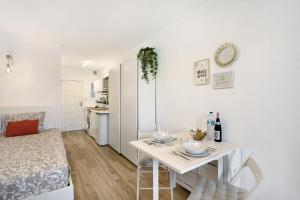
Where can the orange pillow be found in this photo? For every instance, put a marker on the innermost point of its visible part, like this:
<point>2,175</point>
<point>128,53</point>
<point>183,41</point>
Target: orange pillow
<point>25,127</point>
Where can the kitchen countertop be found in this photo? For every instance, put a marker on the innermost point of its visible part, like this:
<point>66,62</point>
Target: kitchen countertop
<point>98,110</point>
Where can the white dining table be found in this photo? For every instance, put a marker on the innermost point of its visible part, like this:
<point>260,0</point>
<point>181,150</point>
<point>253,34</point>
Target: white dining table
<point>165,154</point>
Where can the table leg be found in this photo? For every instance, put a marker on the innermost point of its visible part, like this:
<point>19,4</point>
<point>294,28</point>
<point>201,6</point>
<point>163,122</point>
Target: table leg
<point>155,180</point>
<point>221,170</point>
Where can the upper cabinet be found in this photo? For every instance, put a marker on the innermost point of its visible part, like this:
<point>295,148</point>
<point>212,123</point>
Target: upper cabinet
<point>105,83</point>
<point>101,85</point>
<point>98,85</point>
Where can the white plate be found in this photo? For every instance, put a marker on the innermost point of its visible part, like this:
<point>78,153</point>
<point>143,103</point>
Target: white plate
<point>194,147</point>
<point>162,141</point>
<point>203,154</point>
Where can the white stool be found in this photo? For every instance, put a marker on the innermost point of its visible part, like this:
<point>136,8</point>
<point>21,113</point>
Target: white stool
<point>211,190</point>
<point>145,162</point>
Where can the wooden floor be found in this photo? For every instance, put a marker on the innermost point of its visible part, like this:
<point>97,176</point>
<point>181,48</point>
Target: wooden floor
<point>101,173</point>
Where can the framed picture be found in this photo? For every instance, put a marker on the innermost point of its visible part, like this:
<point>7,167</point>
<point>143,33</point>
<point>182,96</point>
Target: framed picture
<point>201,72</point>
<point>223,80</point>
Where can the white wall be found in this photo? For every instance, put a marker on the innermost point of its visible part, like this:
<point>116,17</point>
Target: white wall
<point>261,111</point>
<point>81,74</point>
<point>35,77</point>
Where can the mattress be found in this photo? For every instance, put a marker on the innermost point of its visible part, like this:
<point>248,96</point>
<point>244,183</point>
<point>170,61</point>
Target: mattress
<point>32,165</point>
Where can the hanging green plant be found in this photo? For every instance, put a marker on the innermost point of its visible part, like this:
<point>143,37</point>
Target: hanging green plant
<point>147,57</point>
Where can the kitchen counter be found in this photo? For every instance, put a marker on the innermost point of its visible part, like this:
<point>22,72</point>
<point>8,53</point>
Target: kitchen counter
<point>96,123</point>
<point>98,110</point>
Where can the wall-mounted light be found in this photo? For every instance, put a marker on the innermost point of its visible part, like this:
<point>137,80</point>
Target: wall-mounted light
<point>9,64</point>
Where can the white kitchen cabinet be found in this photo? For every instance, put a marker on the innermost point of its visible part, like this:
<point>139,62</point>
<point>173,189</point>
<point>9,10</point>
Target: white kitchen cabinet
<point>132,106</point>
<point>93,125</point>
<point>114,107</point>
<point>99,127</point>
<point>98,85</point>
<point>129,114</point>
<point>138,107</point>
<point>101,134</point>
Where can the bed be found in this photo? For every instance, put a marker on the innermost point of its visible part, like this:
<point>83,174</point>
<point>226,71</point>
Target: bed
<point>34,167</point>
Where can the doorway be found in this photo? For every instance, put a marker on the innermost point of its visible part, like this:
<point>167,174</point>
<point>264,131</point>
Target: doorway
<point>72,94</point>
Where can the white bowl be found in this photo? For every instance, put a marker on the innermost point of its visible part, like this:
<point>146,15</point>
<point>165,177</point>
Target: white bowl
<point>194,147</point>
<point>162,136</point>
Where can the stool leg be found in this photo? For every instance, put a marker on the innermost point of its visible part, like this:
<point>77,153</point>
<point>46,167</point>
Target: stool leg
<point>155,179</point>
<point>171,184</point>
<point>138,176</point>
<point>173,177</point>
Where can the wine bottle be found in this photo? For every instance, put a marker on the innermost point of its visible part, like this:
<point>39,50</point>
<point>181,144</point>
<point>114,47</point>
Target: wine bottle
<point>218,129</point>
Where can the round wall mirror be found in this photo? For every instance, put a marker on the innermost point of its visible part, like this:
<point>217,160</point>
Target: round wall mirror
<point>225,55</point>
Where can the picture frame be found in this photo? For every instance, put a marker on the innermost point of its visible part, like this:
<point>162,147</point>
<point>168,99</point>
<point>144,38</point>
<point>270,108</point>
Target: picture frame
<point>223,80</point>
<point>202,72</point>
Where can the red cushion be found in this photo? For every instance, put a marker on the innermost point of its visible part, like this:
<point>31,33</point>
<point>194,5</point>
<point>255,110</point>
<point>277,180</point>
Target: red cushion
<point>25,127</point>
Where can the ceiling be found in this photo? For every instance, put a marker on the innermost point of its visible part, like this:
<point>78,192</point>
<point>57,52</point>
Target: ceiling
<point>91,29</point>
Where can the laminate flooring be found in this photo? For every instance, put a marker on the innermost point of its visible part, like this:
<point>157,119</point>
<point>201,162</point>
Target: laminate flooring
<point>99,172</point>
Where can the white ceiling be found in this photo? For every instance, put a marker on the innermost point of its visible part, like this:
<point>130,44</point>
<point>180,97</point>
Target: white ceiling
<point>95,29</point>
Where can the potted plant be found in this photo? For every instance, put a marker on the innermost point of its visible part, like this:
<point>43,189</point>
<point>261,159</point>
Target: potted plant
<point>147,58</point>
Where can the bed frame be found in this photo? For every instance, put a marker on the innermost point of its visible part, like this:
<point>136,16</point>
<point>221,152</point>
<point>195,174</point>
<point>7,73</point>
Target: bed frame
<point>65,193</point>
<point>52,119</point>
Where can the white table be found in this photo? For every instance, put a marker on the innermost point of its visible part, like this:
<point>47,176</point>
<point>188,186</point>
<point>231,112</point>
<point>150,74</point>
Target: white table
<point>165,155</point>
